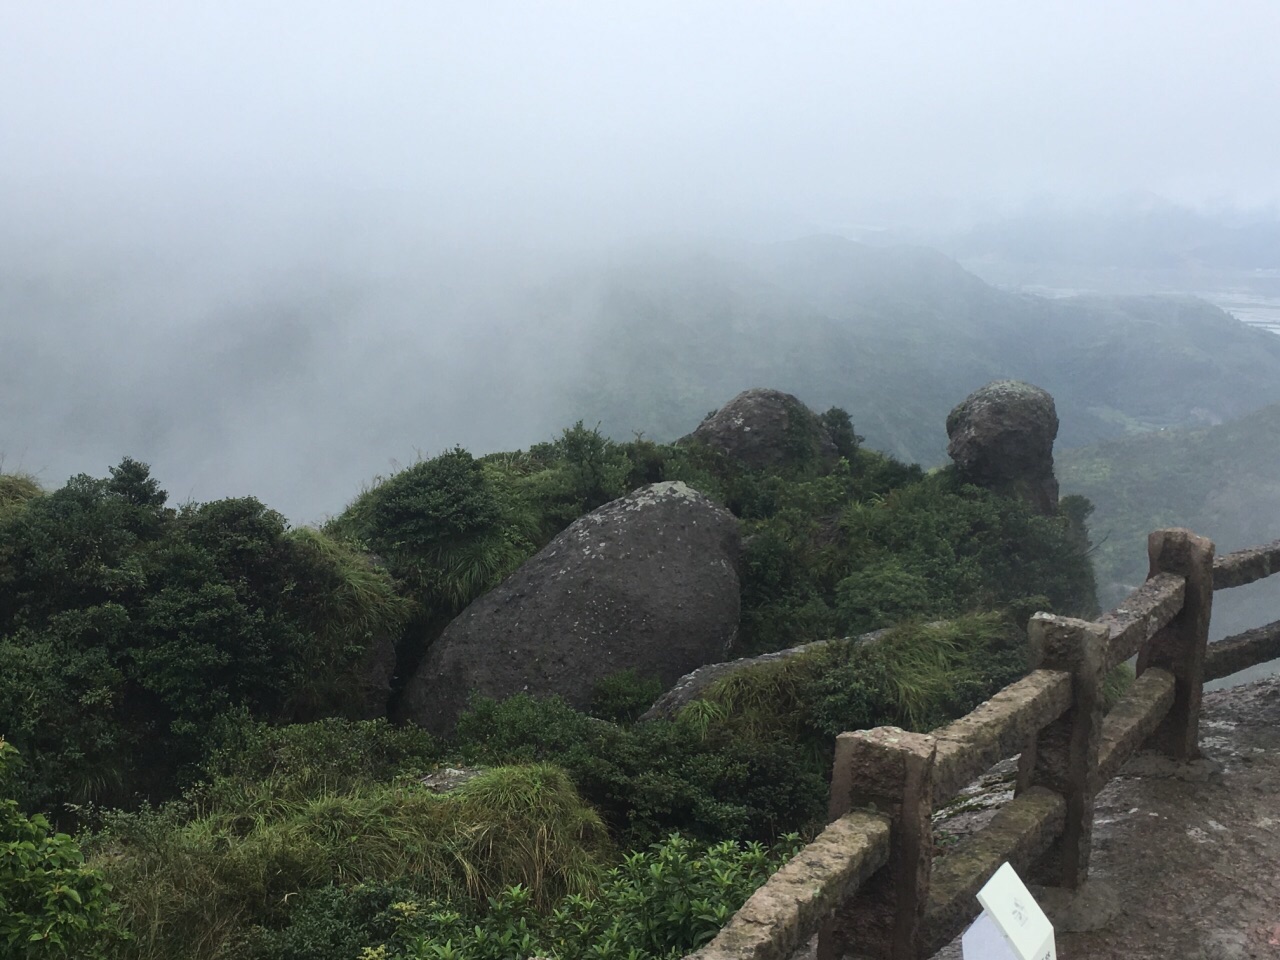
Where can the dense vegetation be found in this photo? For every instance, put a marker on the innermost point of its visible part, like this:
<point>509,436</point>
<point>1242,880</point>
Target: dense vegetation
<point>204,692</point>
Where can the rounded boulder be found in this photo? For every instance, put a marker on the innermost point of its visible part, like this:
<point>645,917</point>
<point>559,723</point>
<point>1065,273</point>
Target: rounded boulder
<point>1001,437</point>
<point>765,429</point>
<point>647,582</point>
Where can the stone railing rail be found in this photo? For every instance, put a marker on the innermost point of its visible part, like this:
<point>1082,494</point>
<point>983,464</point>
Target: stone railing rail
<point>869,884</point>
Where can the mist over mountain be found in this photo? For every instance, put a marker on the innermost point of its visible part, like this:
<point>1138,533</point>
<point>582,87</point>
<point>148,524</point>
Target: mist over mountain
<point>1139,243</point>
<point>897,335</point>
<point>298,382</point>
<point>1223,482</point>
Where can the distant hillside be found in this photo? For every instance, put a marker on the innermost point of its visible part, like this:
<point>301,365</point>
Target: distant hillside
<point>896,336</point>
<point>301,384</point>
<point>1222,482</point>
<point>1143,232</point>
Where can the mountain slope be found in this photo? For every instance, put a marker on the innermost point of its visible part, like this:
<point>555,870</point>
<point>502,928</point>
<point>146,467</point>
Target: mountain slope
<point>1222,482</point>
<point>897,336</point>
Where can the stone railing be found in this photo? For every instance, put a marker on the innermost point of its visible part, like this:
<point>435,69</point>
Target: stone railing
<point>869,884</point>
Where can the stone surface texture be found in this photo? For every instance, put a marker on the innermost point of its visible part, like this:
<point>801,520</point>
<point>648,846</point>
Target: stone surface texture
<point>784,913</point>
<point>1187,851</point>
<point>997,728</point>
<point>1246,566</point>
<point>1141,614</point>
<point>1001,437</point>
<point>648,582</point>
<point>1180,646</point>
<point>1242,651</point>
<point>890,771</point>
<point>767,429</point>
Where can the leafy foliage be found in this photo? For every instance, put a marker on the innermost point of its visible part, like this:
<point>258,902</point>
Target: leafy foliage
<point>917,676</point>
<point>659,903</point>
<point>623,697</point>
<point>655,777</point>
<point>127,629</point>
<point>662,903</point>
<point>51,904</point>
<point>837,562</point>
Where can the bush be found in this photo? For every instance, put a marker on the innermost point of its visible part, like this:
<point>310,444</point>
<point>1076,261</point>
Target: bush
<point>300,760</point>
<point>624,696</point>
<point>330,923</point>
<point>915,676</point>
<point>656,777</point>
<point>128,629</point>
<point>51,904</point>
<point>448,527</point>
<point>661,903</point>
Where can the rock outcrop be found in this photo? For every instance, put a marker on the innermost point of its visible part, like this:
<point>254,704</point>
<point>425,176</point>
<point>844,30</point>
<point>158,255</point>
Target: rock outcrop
<point>1001,437</point>
<point>647,582</point>
<point>765,429</point>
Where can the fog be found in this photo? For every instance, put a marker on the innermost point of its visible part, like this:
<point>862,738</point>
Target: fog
<point>278,249</point>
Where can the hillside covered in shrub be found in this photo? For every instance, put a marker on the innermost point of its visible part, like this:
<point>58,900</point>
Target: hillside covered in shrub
<point>210,696</point>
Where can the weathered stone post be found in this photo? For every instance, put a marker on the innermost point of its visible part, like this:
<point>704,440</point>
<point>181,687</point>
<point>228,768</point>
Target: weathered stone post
<point>1180,646</point>
<point>1064,756</point>
<point>890,771</point>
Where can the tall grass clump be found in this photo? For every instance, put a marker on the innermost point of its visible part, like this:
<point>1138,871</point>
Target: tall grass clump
<point>916,675</point>
<point>189,881</point>
<point>18,488</point>
<point>353,609</point>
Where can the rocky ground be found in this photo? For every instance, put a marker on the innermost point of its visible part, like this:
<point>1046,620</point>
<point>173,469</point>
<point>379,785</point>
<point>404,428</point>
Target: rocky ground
<point>1186,858</point>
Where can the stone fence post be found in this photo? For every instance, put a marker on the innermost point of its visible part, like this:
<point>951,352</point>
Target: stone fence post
<point>1064,755</point>
<point>1180,646</point>
<point>888,771</point>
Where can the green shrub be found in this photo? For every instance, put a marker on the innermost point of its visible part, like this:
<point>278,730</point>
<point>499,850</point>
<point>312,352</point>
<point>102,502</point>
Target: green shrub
<point>17,489</point>
<point>300,760</point>
<point>660,903</point>
<point>449,527</point>
<point>329,923</point>
<point>624,696</point>
<point>350,605</point>
<point>656,777</point>
<point>127,629</point>
<point>51,904</point>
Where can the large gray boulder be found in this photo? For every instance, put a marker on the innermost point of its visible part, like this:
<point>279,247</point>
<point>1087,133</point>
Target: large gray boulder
<point>647,582</point>
<point>766,429</point>
<point>1001,437</point>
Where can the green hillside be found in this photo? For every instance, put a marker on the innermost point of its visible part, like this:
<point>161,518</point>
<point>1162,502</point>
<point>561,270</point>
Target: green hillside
<point>893,335</point>
<point>1222,482</point>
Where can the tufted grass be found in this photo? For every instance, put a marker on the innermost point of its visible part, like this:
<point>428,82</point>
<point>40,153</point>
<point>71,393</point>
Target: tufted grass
<point>916,675</point>
<point>189,883</point>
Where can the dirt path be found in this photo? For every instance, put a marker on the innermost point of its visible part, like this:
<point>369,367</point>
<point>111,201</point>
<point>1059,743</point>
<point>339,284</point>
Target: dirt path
<point>1186,860</point>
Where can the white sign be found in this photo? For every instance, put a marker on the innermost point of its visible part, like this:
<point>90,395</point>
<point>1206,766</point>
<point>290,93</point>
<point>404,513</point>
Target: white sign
<point>1011,926</point>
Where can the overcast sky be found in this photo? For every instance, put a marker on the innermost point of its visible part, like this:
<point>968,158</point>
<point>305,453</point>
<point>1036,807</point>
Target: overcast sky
<point>653,115</point>
<point>213,215</point>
